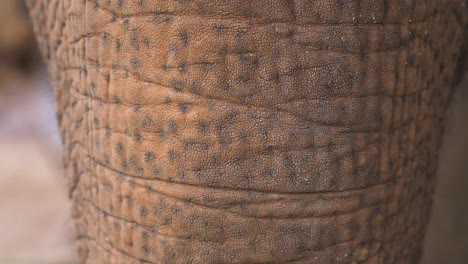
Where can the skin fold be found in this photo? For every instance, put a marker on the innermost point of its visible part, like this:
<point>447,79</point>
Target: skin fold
<point>266,131</point>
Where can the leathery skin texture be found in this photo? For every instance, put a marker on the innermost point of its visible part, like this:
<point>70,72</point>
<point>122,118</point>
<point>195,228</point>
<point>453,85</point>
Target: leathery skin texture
<point>266,131</point>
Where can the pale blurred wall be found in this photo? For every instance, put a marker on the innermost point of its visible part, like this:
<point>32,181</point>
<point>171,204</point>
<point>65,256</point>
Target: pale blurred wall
<point>447,237</point>
<point>35,223</point>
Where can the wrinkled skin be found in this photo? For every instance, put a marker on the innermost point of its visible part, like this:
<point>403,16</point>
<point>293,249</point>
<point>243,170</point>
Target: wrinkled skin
<point>201,131</point>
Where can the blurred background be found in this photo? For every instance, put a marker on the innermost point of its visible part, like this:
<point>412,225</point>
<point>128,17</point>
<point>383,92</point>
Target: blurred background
<point>35,226</point>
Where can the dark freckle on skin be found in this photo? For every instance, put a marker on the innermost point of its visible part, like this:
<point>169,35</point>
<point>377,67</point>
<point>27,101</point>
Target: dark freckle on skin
<point>376,115</point>
<point>121,3</point>
<point>418,128</point>
<point>196,87</point>
<point>114,17</point>
<point>250,15</point>
<point>184,37</point>
<point>171,155</point>
<point>174,49</point>
<point>173,127</point>
<point>143,212</point>
<point>175,210</point>
<point>120,148</point>
<point>202,127</point>
<point>183,1</point>
<point>377,210</point>
<point>192,218</point>
<point>149,189</point>
<point>223,51</point>
<point>183,67</point>
<point>158,19</point>
<point>146,42</point>
<point>145,249</point>
<point>205,66</point>
<point>167,220</point>
<point>276,77</point>
<point>156,210</point>
<point>177,84</point>
<point>118,45</point>
<point>149,157</point>
<point>136,63</point>
<point>167,100</point>
<point>204,8</point>
<point>126,23</point>
<point>157,171</point>
<point>181,175</point>
<point>137,108</point>
<point>244,78</point>
<point>140,170</point>
<point>138,137</point>
<point>124,165</point>
<point>144,234</point>
<point>343,111</point>
<point>352,225</point>
<point>147,122</point>
<point>216,161</point>
<point>219,28</point>
<point>134,40</point>
<point>132,183</point>
<point>105,37</point>
<point>412,60</point>
<point>184,108</point>
<point>106,159</point>
<point>162,134</point>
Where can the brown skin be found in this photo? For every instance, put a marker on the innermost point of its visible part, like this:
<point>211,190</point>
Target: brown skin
<point>201,131</point>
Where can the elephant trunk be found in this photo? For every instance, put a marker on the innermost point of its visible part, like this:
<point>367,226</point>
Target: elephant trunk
<point>250,131</point>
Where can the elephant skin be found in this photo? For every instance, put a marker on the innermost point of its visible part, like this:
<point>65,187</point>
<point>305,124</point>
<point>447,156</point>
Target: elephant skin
<point>266,131</point>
